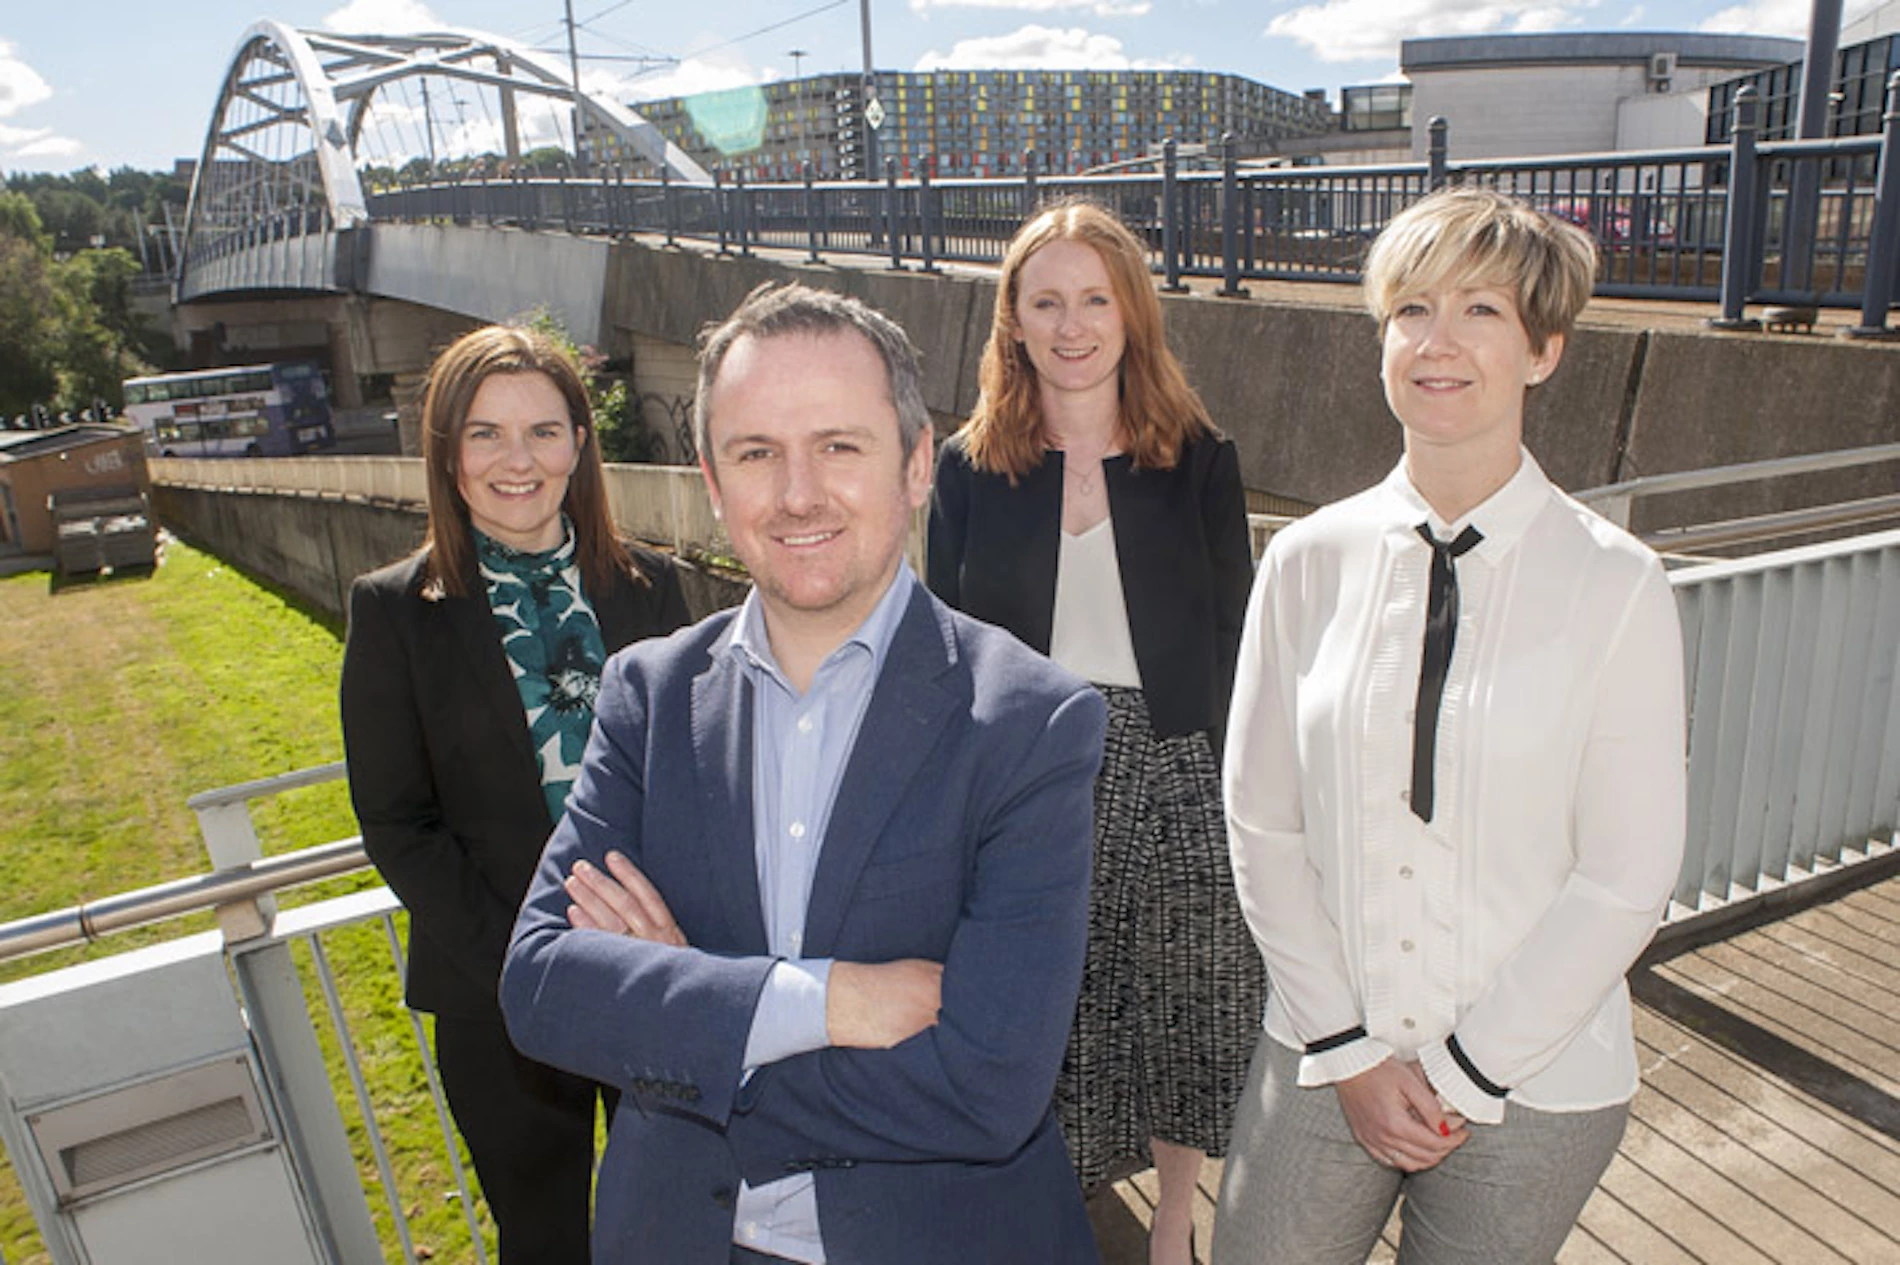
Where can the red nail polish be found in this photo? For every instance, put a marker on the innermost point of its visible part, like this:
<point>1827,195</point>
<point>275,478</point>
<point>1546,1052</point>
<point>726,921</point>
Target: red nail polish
<point>1444,1128</point>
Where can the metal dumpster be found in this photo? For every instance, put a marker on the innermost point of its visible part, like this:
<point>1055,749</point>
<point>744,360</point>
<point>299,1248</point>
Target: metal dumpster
<point>101,527</point>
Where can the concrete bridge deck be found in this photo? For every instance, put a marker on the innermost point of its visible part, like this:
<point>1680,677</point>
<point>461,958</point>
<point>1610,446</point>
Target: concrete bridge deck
<point>1767,1129</point>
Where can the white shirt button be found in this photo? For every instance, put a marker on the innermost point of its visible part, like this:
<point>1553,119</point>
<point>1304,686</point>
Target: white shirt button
<point>798,830</point>
<point>1408,1023</point>
<point>1405,796</point>
<point>1407,945</point>
<point>752,1231</point>
<point>1405,871</point>
<point>804,724</point>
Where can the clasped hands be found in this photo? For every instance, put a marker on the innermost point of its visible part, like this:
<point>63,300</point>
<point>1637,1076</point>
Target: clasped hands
<point>868,1005</point>
<point>1395,1115</point>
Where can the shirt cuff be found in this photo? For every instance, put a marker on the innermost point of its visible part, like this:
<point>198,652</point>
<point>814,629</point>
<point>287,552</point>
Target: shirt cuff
<point>1461,1083</point>
<point>1340,1057</point>
<point>790,1018</point>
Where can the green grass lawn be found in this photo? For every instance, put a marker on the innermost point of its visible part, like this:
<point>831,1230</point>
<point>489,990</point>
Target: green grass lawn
<point>120,699</point>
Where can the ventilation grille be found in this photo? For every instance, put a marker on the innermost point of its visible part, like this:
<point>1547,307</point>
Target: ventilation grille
<point>208,1130</point>
<point>150,1127</point>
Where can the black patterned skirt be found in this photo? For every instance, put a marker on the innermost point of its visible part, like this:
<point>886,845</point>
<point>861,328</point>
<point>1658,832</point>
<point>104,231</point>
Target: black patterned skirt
<point>1173,989</point>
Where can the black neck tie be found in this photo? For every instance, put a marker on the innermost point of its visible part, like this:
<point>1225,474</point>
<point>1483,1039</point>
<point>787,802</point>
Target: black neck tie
<point>1441,633</point>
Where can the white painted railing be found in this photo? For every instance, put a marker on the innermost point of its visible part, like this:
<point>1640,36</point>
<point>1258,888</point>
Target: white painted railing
<point>1793,670</point>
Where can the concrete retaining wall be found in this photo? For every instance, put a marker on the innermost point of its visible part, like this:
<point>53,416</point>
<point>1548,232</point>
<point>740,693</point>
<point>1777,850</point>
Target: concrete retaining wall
<point>315,546</point>
<point>1297,385</point>
<point>1294,382</point>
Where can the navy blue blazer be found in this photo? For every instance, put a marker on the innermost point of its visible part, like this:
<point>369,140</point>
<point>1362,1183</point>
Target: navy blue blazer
<point>961,833</point>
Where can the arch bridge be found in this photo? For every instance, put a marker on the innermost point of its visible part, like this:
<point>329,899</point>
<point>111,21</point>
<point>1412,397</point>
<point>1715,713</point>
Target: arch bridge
<point>305,120</point>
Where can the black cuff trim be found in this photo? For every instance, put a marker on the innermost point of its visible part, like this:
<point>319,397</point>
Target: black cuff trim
<point>1336,1040</point>
<point>1470,1069</point>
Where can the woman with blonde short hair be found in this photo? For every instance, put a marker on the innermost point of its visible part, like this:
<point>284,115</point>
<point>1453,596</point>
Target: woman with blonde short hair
<point>1455,791</point>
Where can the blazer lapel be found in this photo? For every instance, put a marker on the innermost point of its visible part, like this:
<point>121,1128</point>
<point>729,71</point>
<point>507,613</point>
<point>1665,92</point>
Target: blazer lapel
<point>722,761</point>
<point>477,640</point>
<point>908,708</point>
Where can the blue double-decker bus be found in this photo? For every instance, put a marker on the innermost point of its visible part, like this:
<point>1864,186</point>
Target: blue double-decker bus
<point>275,410</point>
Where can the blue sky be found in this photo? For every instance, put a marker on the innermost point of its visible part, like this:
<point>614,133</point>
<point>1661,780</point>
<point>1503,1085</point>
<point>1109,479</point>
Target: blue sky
<point>114,83</point>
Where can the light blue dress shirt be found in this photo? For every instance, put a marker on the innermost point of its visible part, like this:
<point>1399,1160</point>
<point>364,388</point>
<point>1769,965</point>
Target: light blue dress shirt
<point>800,745</point>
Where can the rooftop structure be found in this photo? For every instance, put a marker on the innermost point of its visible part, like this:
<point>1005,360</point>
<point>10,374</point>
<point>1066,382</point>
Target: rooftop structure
<point>1575,92</point>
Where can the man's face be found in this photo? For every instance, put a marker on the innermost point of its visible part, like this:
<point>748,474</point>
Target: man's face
<point>806,466</point>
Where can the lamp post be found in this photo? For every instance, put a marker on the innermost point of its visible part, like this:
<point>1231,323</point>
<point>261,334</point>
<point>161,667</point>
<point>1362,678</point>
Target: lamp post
<point>798,56</point>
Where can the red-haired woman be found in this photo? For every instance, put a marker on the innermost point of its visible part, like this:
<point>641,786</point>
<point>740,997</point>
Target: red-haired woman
<point>1090,507</point>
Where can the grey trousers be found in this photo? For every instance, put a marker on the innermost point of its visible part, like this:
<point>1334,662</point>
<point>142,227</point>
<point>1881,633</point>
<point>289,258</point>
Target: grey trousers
<point>1298,1190</point>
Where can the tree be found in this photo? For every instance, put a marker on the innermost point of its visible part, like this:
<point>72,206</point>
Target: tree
<point>101,331</point>
<point>28,299</point>
<point>622,433</point>
<point>67,331</point>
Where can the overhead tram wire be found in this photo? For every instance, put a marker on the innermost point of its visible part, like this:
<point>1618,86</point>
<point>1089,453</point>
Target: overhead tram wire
<point>663,58</point>
<point>764,30</point>
<point>612,8</point>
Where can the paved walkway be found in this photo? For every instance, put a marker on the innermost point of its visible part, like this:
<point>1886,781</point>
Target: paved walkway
<point>1767,1131</point>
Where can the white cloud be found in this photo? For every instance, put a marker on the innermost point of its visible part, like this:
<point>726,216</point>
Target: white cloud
<point>49,147</point>
<point>1763,17</point>
<point>21,88</point>
<point>1097,8</point>
<point>1775,17</point>
<point>20,84</point>
<point>1368,30</point>
<point>1043,48</point>
<point>1633,18</point>
<point>382,17</point>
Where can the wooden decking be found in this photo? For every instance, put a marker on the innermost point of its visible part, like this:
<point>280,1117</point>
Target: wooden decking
<point>1767,1131</point>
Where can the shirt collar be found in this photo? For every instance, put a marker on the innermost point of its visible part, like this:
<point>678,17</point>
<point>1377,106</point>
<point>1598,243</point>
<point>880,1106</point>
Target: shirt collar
<point>1502,518</point>
<point>751,646</point>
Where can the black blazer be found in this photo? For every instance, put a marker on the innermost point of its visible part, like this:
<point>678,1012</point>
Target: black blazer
<point>446,788</point>
<point>1181,541</point>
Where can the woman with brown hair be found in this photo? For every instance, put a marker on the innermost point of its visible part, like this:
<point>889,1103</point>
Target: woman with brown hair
<point>1090,507</point>
<point>469,679</point>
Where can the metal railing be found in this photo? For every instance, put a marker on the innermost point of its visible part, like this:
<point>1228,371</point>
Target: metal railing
<point>258,939</point>
<point>1793,672</point>
<point>1616,501</point>
<point>1697,223</point>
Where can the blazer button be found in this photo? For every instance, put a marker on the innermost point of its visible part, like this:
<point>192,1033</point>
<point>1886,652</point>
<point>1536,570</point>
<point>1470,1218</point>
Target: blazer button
<point>724,1196</point>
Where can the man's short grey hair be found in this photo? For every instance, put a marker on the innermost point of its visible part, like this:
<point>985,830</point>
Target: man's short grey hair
<point>775,311</point>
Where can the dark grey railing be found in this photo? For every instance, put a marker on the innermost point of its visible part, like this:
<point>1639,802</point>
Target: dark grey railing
<point>1701,223</point>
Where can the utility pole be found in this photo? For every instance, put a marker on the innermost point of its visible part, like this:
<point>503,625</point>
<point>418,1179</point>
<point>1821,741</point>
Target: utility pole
<point>1804,191</point>
<point>869,96</point>
<point>428,126</point>
<point>574,69</point>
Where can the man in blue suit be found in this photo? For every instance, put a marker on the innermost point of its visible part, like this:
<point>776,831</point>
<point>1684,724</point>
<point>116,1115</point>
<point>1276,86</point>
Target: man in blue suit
<point>818,905</point>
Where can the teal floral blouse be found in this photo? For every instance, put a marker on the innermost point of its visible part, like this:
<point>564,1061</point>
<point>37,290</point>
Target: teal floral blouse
<point>554,649</point>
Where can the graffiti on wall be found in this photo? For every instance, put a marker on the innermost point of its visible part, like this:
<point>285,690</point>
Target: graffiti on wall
<point>668,422</point>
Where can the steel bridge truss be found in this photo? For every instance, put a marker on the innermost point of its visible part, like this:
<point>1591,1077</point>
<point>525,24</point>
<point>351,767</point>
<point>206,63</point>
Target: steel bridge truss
<point>297,124</point>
